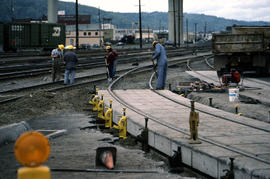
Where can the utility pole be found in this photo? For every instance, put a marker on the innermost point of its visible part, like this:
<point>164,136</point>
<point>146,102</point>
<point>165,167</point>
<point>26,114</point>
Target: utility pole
<point>148,35</point>
<point>159,26</point>
<point>205,24</point>
<point>195,32</point>
<point>12,10</point>
<point>179,19</point>
<point>174,25</point>
<point>187,30</point>
<point>77,27</point>
<point>140,21</point>
<point>99,20</point>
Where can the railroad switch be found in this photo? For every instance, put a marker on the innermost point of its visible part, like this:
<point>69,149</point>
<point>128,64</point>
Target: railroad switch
<point>122,125</point>
<point>194,124</point>
<point>100,108</point>
<point>95,101</point>
<point>143,137</point>
<point>109,116</point>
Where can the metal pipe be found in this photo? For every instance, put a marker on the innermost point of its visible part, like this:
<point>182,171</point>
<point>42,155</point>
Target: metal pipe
<point>146,122</point>
<point>101,170</point>
<point>210,101</point>
<point>192,105</point>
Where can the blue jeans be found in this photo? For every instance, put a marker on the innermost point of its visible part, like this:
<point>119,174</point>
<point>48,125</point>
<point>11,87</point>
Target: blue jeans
<point>110,68</point>
<point>114,67</point>
<point>162,73</point>
<point>70,72</point>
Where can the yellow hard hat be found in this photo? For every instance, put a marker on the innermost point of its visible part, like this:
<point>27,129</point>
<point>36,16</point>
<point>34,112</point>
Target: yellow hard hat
<point>69,47</point>
<point>108,47</point>
<point>154,43</point>
<point>61,46</point>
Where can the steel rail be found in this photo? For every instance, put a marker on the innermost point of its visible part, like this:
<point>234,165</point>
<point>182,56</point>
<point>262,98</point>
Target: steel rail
<point>63,87</point>
<point>188,66</point>
<point>121,101</point>
<point>84,61</point>
<point>211,141</point>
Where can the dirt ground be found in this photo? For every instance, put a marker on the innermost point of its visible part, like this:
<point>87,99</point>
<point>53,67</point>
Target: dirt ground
<point>70,110</point>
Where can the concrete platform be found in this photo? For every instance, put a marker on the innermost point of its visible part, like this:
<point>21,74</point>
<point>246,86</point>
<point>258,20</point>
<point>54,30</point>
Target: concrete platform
<point>206,157</point>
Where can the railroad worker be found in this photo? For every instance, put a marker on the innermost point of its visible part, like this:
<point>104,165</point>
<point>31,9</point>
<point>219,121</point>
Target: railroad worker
<point>111,62</point>
<point>57,57</point>
<point>162,64</point>
<point>71,60</point>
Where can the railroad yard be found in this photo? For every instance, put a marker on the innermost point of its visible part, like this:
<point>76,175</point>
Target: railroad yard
<point>227,129</point>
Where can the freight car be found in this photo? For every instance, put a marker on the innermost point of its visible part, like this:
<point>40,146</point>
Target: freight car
<point>45,36</point>
<point>246,50</point>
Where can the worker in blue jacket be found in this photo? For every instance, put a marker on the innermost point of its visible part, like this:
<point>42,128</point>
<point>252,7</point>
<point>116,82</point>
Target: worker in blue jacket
<point>71,61</point>
<point>162,64</point>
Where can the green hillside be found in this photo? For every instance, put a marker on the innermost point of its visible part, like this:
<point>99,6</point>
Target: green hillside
<point>155,20</point>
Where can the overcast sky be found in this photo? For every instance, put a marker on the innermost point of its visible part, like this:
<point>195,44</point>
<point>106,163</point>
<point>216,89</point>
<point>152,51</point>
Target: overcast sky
<point>250,10</point>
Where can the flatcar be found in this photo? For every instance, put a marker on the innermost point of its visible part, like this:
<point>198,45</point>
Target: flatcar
<point>246,49</point>
<point>19,36</point>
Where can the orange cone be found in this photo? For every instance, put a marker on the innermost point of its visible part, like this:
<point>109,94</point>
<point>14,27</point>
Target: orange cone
<point>107,159</point>
<point>106,156</point>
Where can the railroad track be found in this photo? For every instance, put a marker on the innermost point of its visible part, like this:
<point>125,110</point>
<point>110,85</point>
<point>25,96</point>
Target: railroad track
<point>16,93</point>
<point>206,139</point>
<point>29,70</point>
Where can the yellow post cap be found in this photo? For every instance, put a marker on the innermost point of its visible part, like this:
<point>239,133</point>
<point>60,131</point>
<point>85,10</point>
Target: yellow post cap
<point>32,149</point>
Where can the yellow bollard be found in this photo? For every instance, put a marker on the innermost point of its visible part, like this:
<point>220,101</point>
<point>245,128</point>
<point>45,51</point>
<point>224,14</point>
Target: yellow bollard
<point>32,149</point>
<point>194,124</point>
<point>109,116</point>
<point>100,108</point>
<point>122,125</point>
<point>236,108</point>
<point>179,90</point>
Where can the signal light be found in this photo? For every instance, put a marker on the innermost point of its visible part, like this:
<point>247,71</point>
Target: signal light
<point>32,149</point>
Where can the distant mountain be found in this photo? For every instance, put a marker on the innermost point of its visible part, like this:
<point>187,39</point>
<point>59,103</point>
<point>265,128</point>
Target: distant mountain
<point>155,20</point>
